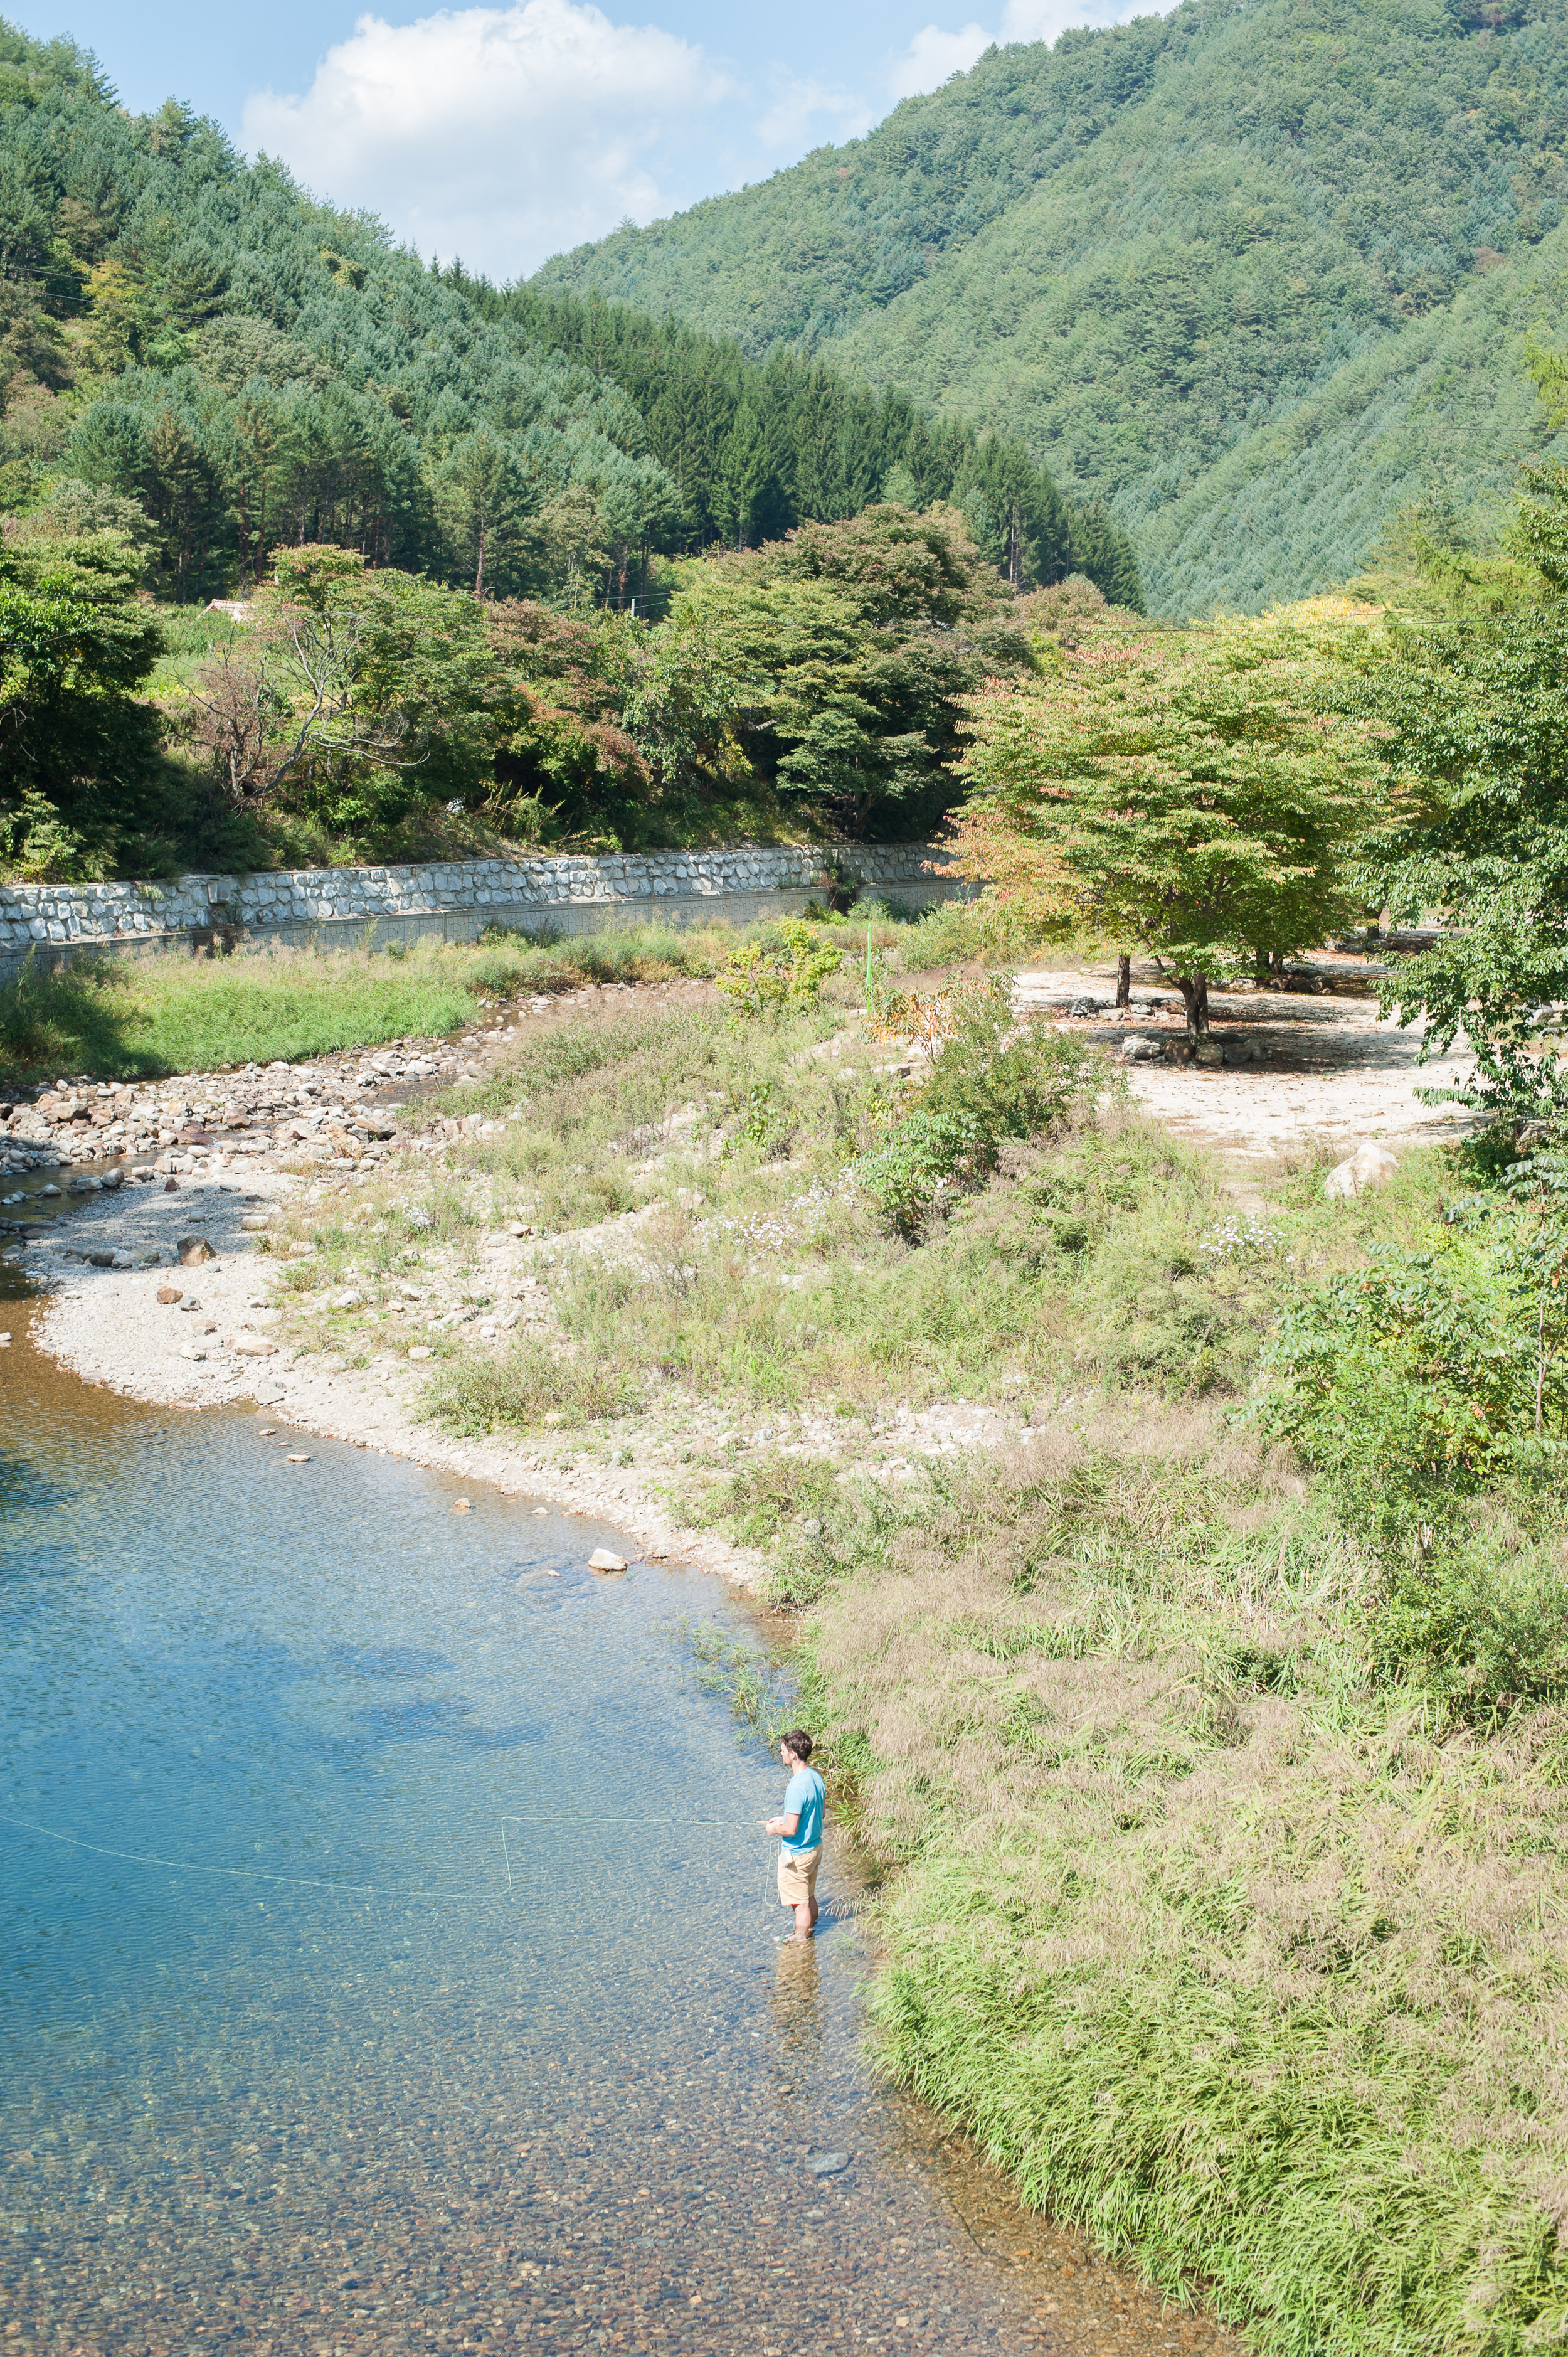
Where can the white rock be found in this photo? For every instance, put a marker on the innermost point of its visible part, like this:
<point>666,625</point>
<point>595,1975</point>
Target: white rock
<point>1372,1164</point>
<point>603,1560</point>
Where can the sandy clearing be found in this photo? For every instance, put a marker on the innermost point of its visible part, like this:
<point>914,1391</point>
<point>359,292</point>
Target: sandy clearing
<point>1333,1068</point>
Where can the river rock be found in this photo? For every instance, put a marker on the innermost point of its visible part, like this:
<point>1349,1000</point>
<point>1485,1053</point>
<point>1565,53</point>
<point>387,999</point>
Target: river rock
<point>193,1251</point>
<point>1138,1047</point>
<point>1372,1164</point>
<point>251,1346</point>
<point>168,1294</point>
<point>828,2164</point>
<point>603,1560</point>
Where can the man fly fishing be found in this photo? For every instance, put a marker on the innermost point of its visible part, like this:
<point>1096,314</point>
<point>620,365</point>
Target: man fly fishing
<point>799,1829</point>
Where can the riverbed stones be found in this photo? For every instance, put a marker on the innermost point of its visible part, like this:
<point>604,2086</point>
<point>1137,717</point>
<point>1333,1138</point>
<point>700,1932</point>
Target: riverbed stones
<point>193,1251</point>
<point>607,1563</point>
<point>828,2164</point>
<point>253,1346</point>
<point>1142,1047</point>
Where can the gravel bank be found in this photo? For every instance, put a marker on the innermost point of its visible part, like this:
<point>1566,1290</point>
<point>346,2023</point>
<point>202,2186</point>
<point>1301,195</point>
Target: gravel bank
<point>212,1347</point>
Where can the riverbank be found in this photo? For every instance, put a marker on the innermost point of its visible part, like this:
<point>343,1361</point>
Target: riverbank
<point>1230,1943</point>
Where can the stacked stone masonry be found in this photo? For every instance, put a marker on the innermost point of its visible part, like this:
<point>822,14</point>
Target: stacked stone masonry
<point>453,900</point>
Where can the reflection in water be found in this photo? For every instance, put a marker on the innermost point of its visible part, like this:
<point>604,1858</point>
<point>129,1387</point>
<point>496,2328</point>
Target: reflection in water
<point>390,1960</point>
<point>796,2002</point>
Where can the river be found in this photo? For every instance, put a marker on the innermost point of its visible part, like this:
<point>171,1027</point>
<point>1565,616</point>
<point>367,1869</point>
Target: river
<point>391,1960</point>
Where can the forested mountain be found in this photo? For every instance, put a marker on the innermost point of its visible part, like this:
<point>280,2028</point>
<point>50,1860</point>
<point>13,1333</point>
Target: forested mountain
<point>239,367</point>
<point>1254,274</point>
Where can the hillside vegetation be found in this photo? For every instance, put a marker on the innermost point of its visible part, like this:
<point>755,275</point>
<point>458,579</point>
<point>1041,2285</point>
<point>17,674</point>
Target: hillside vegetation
<point>1254,275</point>
<point>229,366</point>
<point>460,532</point>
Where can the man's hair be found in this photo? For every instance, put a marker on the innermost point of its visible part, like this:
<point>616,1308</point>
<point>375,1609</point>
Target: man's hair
<point>798,1741</point>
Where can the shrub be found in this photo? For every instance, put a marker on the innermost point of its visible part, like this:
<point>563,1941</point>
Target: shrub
<point>993,1080</point>
<point>787,970</point>
<point>928,1155</point>
<point>529,1383</point>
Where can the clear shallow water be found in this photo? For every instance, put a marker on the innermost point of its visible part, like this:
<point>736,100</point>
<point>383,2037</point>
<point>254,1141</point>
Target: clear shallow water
<point>390,1947</point>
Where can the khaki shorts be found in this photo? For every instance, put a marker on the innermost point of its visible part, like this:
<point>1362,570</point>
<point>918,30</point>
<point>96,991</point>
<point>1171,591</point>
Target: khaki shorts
<point>798,1876</point>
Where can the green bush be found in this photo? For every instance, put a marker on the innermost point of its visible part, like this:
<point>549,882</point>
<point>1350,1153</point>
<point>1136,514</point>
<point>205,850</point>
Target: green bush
<point>990,1080</point>
<point>926,1155</point>
<point>479,1395</point>
<point>1411,1383</point>
<point>1426,1389</point>
<point>788,969</point>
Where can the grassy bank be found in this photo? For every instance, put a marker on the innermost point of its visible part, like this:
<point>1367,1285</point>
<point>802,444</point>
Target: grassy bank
<point>128,1019</point>
<point>1200,1691</point>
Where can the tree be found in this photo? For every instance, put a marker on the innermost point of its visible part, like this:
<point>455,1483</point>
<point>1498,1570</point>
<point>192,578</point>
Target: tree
<point>76,745</point>
<point>832,661</point>
<point>1474,721</point>
<point>1189,793</point>
<point>484,496</point>
<point>360,693</point>
<point>560,738</point>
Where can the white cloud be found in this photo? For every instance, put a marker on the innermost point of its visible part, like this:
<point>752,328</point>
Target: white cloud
<point>501,134</point>
<point>1042,20</point>
<point>933,57</point>
<point>790,121</point>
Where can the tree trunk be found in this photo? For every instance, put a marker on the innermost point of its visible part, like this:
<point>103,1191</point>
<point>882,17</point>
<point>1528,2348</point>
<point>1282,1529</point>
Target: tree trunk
<point>1125,979</point>
<point>479,571</point>
<point>1194,989</point>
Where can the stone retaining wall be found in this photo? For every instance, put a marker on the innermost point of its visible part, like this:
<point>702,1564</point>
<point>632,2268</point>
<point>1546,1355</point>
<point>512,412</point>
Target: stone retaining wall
<point>452,900</point>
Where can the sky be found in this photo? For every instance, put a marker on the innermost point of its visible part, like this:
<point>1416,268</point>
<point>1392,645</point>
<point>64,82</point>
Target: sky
<point>502,134</point>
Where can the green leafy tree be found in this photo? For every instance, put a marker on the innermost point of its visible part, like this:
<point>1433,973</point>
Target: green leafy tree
<point>360,696</point>
<point>833,661</point>
<point>76,745</point>
<point>564,754</point>
<point>1190,794</point>
<point>1474,722</point>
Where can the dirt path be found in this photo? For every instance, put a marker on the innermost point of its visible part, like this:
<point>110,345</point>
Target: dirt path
<point>1327,1066</point>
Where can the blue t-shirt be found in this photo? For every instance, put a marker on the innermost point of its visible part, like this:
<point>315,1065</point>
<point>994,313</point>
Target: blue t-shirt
<point>803,1798</point>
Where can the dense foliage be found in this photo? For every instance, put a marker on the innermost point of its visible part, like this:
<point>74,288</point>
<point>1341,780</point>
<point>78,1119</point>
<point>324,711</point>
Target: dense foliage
<point>1186,793</point>
<point>76,744</point>
<point>245,368</point>
<point>818,676</point>
<point>1250,273</point>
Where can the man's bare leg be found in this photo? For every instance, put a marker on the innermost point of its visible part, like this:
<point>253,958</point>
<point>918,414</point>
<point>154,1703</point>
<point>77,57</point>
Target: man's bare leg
<point>805,1917</point>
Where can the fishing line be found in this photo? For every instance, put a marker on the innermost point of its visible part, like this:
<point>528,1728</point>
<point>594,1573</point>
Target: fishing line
<point>371,1889</point>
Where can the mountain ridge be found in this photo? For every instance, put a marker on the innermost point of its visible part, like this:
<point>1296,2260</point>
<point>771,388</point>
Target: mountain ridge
<point>1149,248</point>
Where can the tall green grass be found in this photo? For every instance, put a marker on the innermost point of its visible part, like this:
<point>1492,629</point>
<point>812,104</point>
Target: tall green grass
<point>123,1018</point>
<point>1230,1951</point>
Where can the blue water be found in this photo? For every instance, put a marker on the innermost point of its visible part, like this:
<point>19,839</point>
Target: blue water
<point>390,1947</point>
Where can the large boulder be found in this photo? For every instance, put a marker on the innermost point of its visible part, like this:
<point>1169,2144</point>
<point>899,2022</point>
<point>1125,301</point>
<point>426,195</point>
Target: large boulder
<point>1372,1164</point>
